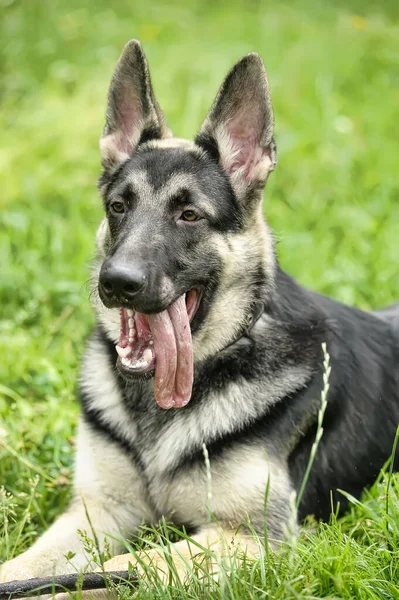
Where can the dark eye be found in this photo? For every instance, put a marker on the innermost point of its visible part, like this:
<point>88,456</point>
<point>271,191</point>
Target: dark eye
<point>189,215</point>
<point>117,207</point>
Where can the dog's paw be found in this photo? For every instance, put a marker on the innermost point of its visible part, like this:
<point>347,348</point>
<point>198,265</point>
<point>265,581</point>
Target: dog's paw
<point>176,561</point>
<point>16,569</point>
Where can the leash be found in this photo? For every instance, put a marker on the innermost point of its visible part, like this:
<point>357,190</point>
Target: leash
<point>62,583</point>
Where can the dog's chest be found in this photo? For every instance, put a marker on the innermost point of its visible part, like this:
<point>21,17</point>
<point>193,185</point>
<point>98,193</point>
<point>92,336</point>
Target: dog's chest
<point>166,447</point>
<point>182,484</point>
<point>165,439</point>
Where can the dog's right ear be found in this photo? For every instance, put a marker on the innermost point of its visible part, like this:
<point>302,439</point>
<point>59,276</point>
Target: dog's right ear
<point>133,115</point>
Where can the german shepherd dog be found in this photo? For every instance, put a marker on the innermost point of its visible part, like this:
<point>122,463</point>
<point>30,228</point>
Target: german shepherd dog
<point>202,340</point>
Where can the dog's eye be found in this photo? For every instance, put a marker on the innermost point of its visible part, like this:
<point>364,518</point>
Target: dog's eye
<point>117,207</point>
<point>189,215</point>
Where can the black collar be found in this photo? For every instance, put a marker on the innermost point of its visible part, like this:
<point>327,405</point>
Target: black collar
<point>251,319</point>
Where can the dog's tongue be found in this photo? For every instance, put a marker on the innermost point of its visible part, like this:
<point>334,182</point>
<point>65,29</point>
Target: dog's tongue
<point>173,355</point>
<point>163,339</point>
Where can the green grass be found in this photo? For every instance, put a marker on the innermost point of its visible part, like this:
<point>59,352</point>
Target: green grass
<point>333,203</point>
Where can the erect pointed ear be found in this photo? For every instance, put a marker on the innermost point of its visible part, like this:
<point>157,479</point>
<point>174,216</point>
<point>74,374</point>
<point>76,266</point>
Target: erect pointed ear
<point>238,130</point>
<point>133,115</point>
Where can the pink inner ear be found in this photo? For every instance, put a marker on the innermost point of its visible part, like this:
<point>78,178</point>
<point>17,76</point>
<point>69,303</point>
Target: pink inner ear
<point>245,145</point>
<point>129,121</point>
<point>245,152</point>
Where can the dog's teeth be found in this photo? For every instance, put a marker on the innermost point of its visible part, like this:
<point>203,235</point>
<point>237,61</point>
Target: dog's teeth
<point>129,312</point>
<point>147,355</point>
<point>151,342</point>
<point>130,323</point>
<point>130,339</point>
<point>123,352</point>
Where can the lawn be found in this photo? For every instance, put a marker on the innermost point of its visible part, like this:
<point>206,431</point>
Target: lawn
<point>333,203</point>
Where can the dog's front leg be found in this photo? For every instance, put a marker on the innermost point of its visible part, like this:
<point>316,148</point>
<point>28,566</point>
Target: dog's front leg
<point>109,501</point>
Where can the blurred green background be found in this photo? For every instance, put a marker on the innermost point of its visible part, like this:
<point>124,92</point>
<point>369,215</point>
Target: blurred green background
<point>333,201</point>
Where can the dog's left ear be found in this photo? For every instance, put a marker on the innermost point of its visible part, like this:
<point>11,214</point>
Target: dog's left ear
<point>238,130</point>
<point>133,115</point>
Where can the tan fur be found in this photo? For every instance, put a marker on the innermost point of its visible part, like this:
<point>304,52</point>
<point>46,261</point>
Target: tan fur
<point>174,142</point>
<point>238,252</point>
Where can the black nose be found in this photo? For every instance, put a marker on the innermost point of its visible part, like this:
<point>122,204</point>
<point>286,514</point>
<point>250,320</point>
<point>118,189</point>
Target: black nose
<point>121,281</point>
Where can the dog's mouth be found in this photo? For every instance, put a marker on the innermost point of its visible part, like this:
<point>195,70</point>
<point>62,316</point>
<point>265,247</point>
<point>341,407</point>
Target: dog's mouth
<point>160,344</point>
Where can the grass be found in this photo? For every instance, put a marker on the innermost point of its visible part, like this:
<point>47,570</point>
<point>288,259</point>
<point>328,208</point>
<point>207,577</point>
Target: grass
<point>333,203</point>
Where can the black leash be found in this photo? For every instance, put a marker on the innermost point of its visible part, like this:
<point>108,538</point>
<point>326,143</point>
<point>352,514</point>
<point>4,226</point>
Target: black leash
<point>64,583</point>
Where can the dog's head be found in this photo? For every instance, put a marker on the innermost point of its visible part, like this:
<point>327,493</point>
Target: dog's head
<point>183,248</point>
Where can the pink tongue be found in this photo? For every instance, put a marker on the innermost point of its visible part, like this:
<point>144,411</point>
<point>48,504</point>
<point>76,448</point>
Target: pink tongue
<point>174,355</point>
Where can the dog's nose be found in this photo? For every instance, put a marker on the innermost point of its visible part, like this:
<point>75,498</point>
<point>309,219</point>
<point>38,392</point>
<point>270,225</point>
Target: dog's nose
<point>121,281</point>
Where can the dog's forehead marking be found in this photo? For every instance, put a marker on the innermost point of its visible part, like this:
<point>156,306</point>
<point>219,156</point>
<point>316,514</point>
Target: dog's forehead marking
<point>140,184</point>
<point>159,163</point>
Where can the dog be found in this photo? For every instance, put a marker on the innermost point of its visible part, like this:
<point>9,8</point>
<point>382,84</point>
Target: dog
<point>203,343</point>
